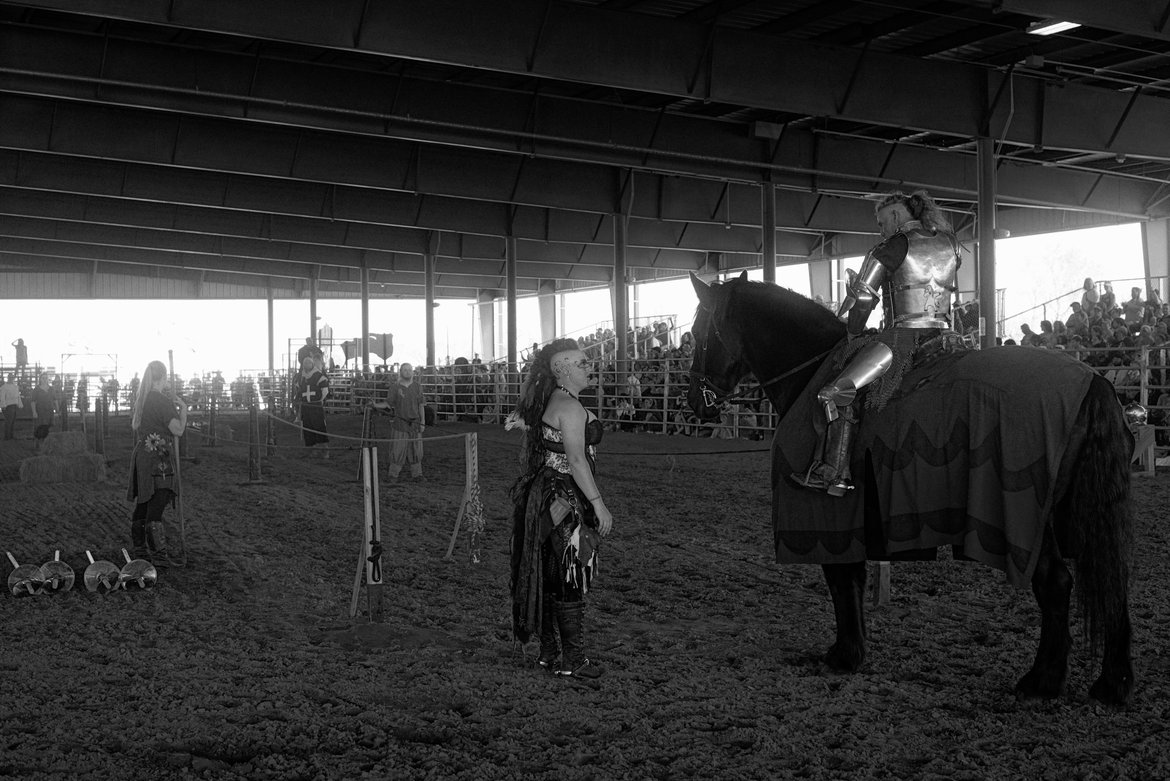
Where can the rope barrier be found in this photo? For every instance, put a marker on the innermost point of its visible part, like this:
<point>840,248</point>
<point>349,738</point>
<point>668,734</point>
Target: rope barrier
<point>363,439</point>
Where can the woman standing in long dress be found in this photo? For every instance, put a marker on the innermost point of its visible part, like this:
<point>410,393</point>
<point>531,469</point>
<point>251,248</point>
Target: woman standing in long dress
<point>156,421</point>
<point>558,513</point>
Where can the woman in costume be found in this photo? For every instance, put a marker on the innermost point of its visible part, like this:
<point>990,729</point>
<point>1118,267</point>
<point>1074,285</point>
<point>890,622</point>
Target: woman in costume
<point>311,388</point>
<point>156,421</point>
<point>558,514</point>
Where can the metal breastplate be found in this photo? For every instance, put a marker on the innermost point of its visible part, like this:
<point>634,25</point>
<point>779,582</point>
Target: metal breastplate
<point>919,292</point>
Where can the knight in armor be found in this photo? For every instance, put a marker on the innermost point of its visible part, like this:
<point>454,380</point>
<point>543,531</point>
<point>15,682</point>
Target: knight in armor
<point>913,269</point>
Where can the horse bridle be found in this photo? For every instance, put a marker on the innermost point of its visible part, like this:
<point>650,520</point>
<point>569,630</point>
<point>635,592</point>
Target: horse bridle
<point>712,398</point>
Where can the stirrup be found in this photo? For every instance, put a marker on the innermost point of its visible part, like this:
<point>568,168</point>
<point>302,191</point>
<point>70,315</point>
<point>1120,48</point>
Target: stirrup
<point>838,486</point>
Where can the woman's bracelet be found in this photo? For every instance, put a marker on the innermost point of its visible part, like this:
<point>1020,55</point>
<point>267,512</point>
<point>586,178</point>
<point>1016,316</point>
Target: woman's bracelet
<point>592,498</point>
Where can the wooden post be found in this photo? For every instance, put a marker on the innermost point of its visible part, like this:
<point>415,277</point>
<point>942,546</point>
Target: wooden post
<point>879,572</point>
<point>471,506</point>
<point>99,432</point>
<point>253,443</point>
<point>370,560</point>
<point>209,437</point>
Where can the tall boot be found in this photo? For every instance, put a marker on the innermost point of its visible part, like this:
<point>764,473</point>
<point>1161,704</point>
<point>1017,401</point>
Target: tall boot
<point>156,538</point>
<point>138,537</point>
<point>830,472</point>
<point>550,650</point>
<point>573,660</point>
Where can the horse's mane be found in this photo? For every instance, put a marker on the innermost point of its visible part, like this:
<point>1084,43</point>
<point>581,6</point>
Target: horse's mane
<point>766,299</point>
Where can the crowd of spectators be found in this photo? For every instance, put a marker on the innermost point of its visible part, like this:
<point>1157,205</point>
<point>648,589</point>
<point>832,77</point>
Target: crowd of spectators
<point>1103,329</point>
<point>1109,335</point>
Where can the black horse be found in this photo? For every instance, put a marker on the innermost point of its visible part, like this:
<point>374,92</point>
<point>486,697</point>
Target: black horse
<point>1077,499</point>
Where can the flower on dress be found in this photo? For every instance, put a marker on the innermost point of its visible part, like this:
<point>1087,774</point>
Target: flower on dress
<point>155,443</point>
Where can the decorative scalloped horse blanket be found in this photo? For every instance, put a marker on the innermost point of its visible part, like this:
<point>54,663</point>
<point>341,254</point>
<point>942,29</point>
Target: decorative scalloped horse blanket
<point>967,454</point>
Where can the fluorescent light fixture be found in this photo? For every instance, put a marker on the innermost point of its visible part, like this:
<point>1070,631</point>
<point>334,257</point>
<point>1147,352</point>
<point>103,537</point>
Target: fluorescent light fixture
<point>1050,27</point>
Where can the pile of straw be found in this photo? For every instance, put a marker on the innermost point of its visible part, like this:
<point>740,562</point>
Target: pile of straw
<point>65,458</point>
<point>75,468</point>
<point>64,443</point>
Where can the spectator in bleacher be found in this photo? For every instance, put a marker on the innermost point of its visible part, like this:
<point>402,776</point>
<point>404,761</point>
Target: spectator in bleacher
<point>1090,297</point>
<point>21,356</point>
<point>1030,338</point>
<point>310,350</point>
<point>310,389</point>
<point>1134,309</point>
<point>1108,299</point>
<point>406,398</point>
<point>1077,320</point>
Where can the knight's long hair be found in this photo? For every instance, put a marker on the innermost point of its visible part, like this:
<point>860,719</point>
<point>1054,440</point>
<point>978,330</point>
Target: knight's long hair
<point>154,371</point>
<point>921,207</point>
<point>538,386</point>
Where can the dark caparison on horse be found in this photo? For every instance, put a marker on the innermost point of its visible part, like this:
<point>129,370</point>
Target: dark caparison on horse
<point>1015,457</point>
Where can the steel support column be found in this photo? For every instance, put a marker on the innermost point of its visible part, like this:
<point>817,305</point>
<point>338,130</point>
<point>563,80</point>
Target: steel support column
<point>314,291</point>
<point>429,293</point>
<point>510,274</point>
<point>365,345</point>
<point>621,316</point>
<point>547,303</point>
<point>485,309</point>
<point>271,334</point>
<point>985,148</point>
<point>768,220</point>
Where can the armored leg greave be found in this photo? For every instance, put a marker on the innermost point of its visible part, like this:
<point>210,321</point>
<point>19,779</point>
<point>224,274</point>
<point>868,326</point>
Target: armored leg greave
<point>829,470</point>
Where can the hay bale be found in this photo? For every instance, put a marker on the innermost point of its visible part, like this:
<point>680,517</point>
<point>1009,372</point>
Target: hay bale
<point>64,443</point>
<point>41,469</point>
<point>76,468</point>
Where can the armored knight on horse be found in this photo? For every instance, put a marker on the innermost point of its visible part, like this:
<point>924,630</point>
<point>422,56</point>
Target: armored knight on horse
<point>914,266</point>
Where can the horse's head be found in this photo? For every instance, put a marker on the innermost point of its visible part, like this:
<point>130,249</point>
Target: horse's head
<point>717,365</point>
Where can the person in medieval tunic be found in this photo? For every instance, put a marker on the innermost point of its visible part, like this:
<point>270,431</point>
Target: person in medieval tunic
<point>914,270</point>
<point>156,421</point>
<point>311,388</point>
<point>405,397</point>
<point>558,515</point>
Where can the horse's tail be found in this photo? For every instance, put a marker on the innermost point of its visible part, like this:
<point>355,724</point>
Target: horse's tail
<point>1102,523</point>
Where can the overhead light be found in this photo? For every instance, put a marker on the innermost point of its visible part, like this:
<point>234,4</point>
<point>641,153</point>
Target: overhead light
<point>1050,27</point>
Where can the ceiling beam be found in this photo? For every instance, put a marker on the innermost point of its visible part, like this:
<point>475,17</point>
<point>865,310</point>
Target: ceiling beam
<point>579,43</point>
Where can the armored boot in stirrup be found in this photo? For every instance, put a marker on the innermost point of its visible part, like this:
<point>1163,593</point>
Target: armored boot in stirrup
<point>829,470</point>
<point>831,473</point>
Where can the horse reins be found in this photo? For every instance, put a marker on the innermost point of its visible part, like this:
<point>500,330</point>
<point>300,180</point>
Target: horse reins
<point>711,399</point>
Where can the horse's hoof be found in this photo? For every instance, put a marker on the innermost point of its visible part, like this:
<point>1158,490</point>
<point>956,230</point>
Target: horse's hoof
<point>1112,692</point>
<point>1036,686</point>
<point>843,659</point>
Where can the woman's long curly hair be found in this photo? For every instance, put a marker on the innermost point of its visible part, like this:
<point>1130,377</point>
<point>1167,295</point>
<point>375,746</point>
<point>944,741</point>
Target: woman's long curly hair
<point>154,371</point>
<point>538,386</point>
<point>921,207</point>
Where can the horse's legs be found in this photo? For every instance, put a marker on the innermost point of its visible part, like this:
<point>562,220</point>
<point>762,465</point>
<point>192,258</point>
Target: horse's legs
<point>1052,584</point>
<point>1115,684</point>
<point>847,587</point>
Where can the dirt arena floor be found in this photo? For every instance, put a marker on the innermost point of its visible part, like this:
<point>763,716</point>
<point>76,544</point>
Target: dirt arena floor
<point>245,664</point>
